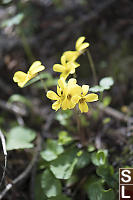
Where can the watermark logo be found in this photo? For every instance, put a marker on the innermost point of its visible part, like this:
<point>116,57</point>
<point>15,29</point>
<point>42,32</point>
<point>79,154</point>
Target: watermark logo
<point>126,184</point>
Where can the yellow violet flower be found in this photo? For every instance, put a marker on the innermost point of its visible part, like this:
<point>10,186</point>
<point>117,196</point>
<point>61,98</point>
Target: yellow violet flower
<point>65,68</point>
<point>65,92</point>
<point>71,92</point>
<point>59,97</point>
<point>84,98</point>
<point>22,78</point>
<point>79,47</point>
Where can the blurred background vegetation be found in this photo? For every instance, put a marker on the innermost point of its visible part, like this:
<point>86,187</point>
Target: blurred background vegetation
<point>42,30</point>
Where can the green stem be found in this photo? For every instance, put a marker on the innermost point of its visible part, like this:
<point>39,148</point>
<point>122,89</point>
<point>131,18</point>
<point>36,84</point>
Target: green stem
<point>26,45</point>
<point>81,136</point>
<point>45,87</point>
<point>92,66</point>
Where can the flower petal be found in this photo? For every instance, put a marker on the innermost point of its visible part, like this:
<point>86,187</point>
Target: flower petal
<point>74,90</point>
<point>21,78</point>
<point>83,46</point>
<point>63,60</point>
<point>58,68</point>
<point>72,66</point>
<point>83,107</point>
<point>64,75</point>
<point>71,82</point>
<point>85,89</point>
<point>58,90</point>
<point>36,67</point>
<point>91,97</point>
<point>56,105</point>
<point>65,104</point>
<point>76,98</point>
<point>71,104</point>
<point>68,104</point>
<point>76,64</point>
<point>79,41</point>
<point>62,83</point>
<point>71,55</point>
<point>72,71</point>
<point>52,95</point>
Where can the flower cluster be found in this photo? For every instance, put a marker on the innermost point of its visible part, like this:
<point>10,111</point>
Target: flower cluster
<point>70,93</point>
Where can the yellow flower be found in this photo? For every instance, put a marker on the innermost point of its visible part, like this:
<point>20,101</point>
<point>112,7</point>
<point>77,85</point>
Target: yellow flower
<point>65,68</point>
<point>84,98</point>
<point>71,92</point>
<point>79,47</point>
<point>65,92</point>
<point>22,78</point>
<point>59,97</point>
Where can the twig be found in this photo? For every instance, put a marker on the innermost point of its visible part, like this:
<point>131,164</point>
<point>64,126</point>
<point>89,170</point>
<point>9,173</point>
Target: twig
<point>5,155</point>
<point>115,113</point>
<point>13,108</point>
<point>20,120</point>
<point>32,182</point>
<point>26,172</point>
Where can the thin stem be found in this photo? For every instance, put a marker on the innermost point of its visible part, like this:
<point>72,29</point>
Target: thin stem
<point>26,45</point>
<point>81,136</point>
<point>42,81</point>
<point>92,66</point>
<point>78,121</point>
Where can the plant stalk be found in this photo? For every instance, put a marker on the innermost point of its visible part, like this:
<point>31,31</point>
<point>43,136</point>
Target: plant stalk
<point>92,66</point>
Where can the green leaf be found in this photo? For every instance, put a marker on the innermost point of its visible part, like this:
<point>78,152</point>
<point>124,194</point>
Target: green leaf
<point>96,191</point>
<point>19,98</point>
<point>64,117</point>
<point>106,83</point>
<point>108,194</point>
<point>52,151</point>
<point>72,180</point>
<point>106,101</point>
<point>49,82</point>
<point>6,1</point>
<point>51,186</point>
<point>83,160</point>
<point>13,21</point>
<point>91,148</point>
<point>20,138</point>
<point>106,120</point>
<point>60,197</point>
<point>39,194</point>
<point>99,158</point>
<point>107,173</point>
<point>96,88</point>
<point>64,138</point>
<point>63,166</point>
